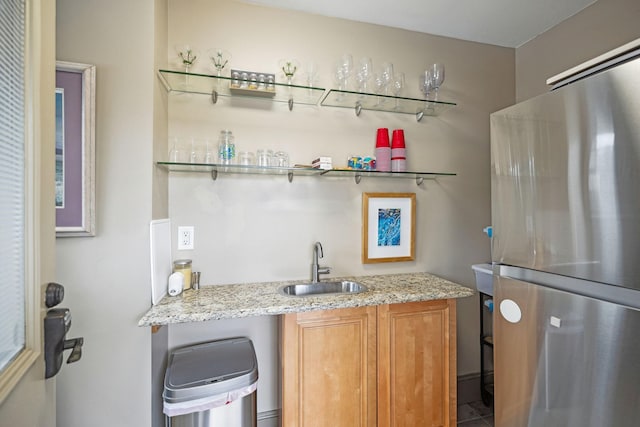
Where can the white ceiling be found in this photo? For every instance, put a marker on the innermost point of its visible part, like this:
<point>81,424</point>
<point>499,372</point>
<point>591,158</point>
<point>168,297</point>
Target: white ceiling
<point>508,23</point>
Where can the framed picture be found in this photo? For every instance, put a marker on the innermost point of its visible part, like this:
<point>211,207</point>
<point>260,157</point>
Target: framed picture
<point>388,227</point>
<point>75,149</point>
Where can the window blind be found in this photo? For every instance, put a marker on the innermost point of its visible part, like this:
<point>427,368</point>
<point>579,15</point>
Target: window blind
<point>12,180</point>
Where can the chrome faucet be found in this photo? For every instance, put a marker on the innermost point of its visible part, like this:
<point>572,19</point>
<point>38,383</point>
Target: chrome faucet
<point>316,270</point>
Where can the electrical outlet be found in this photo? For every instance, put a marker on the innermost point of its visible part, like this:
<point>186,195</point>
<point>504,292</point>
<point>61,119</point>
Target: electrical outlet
<point>185,238</point>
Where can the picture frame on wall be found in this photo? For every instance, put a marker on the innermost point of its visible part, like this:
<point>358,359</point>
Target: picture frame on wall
<point>75,199</point>
<point>388,227</point>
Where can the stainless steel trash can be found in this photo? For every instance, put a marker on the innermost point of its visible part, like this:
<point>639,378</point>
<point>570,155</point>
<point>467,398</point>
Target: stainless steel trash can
<point>213,384</point>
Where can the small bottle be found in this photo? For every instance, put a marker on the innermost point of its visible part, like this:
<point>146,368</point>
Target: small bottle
<point>183,266</point>
<point>226,148</point>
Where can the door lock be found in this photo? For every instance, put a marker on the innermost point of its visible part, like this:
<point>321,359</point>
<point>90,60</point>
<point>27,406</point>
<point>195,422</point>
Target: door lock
<point>57,323</point>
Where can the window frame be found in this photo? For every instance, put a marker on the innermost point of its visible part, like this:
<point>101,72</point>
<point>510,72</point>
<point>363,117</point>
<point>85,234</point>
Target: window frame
<point>11,375</point>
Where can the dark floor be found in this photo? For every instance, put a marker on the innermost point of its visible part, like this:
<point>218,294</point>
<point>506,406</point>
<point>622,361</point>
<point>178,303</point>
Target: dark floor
<point>475,414</point>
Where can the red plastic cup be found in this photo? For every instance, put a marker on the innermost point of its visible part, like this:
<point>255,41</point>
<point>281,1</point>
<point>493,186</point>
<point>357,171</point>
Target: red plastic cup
<point>382,138</point>
<point>397,140</point>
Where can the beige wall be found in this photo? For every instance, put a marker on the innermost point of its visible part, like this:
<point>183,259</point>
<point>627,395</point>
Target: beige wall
<point>258,229</point>
<point>106,277</point>
<point>603,26</point>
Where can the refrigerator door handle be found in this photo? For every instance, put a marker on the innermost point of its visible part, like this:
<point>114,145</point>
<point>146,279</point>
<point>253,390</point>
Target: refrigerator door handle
<point>616,294</point>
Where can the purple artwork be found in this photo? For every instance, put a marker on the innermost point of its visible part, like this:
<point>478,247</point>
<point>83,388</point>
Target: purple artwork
<point>69,149</point>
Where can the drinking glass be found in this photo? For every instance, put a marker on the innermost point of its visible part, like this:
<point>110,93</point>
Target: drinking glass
<point>281,159</point>
<point>264,157</point>
<point>387,77</point>
<point>187,56</point>
<point>220,59</point>
<point>289,68</point>
<point>209,152</point>
<point>437,78</point>
<point>426,84</point>
<point>177,153</point>
<point>311,73</point>
<point>246,158</point>
<point>398,85</point>
<point>364,74</point>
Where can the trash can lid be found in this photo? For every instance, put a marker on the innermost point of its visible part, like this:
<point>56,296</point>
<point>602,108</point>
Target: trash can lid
<point>210,368</point>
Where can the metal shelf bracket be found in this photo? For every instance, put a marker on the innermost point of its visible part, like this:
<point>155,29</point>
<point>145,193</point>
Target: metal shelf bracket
<point>214,174</point>
<point>214,96</point>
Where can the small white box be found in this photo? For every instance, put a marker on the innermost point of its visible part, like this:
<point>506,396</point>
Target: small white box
<point>484,278</point>
<point>322,160</point>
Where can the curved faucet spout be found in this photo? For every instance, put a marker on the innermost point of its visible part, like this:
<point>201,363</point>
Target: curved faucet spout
<point>316,270</point>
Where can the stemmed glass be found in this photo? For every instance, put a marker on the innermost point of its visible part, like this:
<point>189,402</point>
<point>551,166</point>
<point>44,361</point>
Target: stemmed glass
<point>437,78</point>
<point>398,85</point>
<point>387,77</point>
<point>426,84</point>
<point>311,73</point>
<point>364,74</point>
<point>220,59</point>
<point>187,56</point>
<point>289,68</point>
<point>342,71</point>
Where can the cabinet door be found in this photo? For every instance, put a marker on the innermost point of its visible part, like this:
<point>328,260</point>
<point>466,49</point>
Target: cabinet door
<point>329,368</point>
<point>417,364</point>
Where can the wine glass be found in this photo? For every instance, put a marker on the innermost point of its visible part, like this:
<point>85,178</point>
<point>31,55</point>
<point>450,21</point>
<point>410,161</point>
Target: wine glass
<point>187,56</point>
<point>437,78</point>
<point>311,73</point>
<point>398,85</point>
<point>220,59</point>
<point>426,84</point>
<point>387,77</point>
<point>289,68</point>
<point>364,74</point>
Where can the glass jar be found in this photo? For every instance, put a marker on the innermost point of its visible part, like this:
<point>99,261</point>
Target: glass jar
<point>226,148</point>
<point>183,266</point>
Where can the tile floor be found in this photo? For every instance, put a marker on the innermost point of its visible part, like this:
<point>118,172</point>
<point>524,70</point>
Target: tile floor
<point>475,414</point>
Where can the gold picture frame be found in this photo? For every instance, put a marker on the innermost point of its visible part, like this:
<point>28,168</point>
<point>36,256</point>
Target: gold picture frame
<point>388,227</point>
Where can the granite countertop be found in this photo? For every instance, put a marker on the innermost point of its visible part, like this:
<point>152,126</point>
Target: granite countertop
<point>259,299</point>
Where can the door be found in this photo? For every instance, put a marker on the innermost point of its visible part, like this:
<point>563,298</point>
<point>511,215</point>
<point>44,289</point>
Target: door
<point>329,368</point>
<point>563,359</point>
<point>417,364</point>
<point>27,398</point>
<point>565,168</point>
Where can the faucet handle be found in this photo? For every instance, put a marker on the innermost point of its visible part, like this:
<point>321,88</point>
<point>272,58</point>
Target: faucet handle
<point>324,270</point>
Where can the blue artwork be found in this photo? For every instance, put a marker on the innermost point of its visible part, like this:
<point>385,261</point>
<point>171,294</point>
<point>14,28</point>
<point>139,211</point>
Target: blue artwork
<point>389,227</point>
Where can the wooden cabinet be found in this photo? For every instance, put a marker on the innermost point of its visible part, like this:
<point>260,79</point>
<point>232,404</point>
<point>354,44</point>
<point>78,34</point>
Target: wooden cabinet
<point>391,365</point>
<point>329,368</point>
<point>417,364</point>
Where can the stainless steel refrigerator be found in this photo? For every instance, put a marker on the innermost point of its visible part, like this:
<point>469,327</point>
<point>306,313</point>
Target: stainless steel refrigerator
<point>566,253</point>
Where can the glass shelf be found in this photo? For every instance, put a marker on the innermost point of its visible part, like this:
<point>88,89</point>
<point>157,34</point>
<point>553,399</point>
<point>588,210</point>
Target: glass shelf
<point>357,174</point>
<point>179,81</point>
<point>215,169</point>
<point>369,101</point>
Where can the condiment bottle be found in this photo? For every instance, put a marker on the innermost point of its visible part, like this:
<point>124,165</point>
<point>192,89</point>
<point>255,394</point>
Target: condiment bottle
<point>226,148</point>
<point>183,266</point>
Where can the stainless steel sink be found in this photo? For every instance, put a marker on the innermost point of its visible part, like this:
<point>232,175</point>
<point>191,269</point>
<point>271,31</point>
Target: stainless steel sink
<point>322,288</point>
